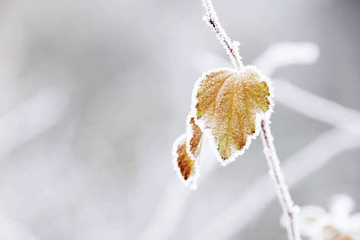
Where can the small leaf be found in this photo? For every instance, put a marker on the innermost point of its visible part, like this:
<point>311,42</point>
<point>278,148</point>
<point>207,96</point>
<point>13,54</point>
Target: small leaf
<point>184,162</point>
<point>195,142</point>
<point>229,103</point>
<point>186,152</point>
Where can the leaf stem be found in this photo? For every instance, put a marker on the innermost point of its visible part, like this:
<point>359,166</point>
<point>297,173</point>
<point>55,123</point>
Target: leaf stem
<point>231,47</point>
<point>269,148</point>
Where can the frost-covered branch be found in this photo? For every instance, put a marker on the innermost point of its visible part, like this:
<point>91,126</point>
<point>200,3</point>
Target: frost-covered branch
<point>231,47</point>
<point>269,148</point>
<point>278,178</point>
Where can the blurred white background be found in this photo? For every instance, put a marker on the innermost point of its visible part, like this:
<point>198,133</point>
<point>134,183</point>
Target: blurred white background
<point>94,93</point>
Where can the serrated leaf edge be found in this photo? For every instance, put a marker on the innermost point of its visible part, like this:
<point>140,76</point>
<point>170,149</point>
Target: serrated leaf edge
<point>258,118</point>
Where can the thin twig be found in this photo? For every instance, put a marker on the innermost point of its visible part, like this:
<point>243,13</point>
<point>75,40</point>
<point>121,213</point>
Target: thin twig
<point>269,148</point>
<point>231,47</point>
<point>278,178</point>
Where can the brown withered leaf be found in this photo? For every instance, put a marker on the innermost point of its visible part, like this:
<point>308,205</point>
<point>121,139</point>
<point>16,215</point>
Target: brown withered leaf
<point>227,103</point>
<point>195,142</point>
<point>187,150</point>
<point>184,162</point>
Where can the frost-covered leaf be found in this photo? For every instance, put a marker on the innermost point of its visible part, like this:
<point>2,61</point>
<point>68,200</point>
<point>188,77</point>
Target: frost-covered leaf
<point>195,138</point>
<point>186,152</point>
<point>229,103</point>
<point>184,162</point>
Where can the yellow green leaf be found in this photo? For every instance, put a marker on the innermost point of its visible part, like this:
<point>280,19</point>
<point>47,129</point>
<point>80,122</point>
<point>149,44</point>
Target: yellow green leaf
<point>229,104</point>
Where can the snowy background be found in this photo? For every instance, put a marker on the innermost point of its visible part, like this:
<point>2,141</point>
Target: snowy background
<point>94,93</point>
